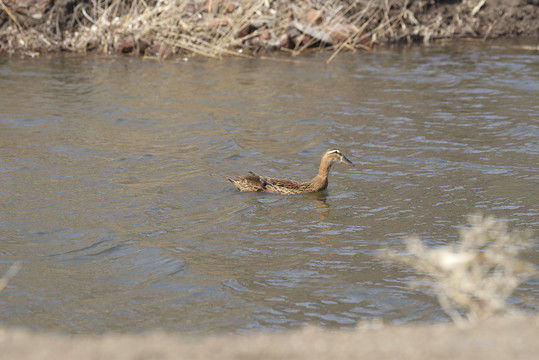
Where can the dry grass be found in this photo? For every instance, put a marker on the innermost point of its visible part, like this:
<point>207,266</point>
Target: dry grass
<point>216,28</point>
<point>473,278</point>
<point>212,28</point>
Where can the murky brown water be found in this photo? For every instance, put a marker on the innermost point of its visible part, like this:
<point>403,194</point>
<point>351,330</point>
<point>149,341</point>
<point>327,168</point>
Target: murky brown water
<point>111,193</point>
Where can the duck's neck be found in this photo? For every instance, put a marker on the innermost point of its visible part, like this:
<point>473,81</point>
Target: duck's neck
<point>320,181</point>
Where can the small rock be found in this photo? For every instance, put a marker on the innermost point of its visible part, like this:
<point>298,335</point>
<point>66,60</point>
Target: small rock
<point>338,36</point>
<point>128,47</point>
<point>265,35</point>
<point>219,5</point>
<point>314,17</point>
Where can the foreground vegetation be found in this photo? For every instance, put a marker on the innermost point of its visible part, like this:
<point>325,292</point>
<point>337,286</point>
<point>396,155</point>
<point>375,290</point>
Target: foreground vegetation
<point>473,278</point>
<point>216,28</point>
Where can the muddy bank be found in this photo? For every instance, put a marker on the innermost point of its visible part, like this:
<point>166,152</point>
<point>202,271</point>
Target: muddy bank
<point>496,338</point>
<point>216,28</point>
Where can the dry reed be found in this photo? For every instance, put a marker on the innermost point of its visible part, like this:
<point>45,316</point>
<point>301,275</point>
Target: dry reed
<point>213,28</point>
<point>473,278</point>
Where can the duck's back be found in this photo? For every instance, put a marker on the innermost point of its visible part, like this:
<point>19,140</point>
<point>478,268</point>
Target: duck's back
<point>249,182</point>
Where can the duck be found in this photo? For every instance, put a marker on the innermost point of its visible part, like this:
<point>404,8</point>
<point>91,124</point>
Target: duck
<point>258,183</point>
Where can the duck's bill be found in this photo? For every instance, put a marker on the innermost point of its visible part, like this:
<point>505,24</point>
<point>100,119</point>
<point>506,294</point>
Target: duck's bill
<point>345,160</point>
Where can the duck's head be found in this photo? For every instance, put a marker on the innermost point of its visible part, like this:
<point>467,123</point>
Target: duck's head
<point>337,155</point>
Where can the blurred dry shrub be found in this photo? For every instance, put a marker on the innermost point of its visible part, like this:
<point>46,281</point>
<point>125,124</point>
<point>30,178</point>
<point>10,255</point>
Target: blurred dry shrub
<point>473,278</point>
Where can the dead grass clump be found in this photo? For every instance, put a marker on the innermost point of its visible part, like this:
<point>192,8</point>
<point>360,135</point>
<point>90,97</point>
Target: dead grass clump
<point>217,28</point>
<point>212,28</point>
<point>473,278</point>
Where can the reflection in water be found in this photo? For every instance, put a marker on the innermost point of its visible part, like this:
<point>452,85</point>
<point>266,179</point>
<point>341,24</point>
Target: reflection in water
<point>322,205</point>
<point>111,204</point>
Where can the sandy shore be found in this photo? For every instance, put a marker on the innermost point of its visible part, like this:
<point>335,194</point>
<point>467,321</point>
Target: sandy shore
<point>498,338</point>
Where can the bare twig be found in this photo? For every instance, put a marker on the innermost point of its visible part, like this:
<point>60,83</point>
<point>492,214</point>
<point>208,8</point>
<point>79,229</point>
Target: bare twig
<point>10,274</point>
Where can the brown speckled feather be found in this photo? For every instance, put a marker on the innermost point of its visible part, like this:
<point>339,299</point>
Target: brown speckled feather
<point>249,182</point>
<point>259,183</point>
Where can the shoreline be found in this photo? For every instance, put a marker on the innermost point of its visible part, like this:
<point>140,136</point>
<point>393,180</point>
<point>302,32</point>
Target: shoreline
<point>508,337</point>
<point>218,28</point>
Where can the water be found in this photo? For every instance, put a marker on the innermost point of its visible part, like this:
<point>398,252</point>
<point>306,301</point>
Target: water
<point>113,200</point>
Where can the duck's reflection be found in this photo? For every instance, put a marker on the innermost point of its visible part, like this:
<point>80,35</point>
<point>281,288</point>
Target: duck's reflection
<point>321,204</point>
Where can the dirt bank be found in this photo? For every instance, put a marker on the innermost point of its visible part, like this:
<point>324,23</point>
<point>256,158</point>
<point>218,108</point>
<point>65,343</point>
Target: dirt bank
<point>501,338</point>
<point>217,28</point>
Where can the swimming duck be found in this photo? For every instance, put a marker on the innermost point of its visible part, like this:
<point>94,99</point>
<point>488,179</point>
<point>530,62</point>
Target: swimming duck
<point>259,183</point>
